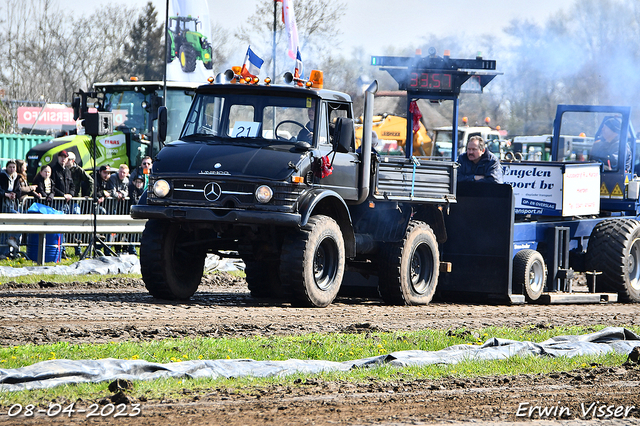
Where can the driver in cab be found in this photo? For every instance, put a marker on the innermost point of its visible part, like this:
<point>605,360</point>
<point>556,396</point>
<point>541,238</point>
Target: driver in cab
<point>306,133</point>
<point>605,148</point>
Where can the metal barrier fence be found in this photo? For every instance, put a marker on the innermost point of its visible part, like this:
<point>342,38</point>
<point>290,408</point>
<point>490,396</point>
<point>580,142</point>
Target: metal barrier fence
<point>84,206</point>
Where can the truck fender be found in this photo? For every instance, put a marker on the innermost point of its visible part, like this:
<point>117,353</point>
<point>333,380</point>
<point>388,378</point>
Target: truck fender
<point>434,217</point>
<point>330,203</point>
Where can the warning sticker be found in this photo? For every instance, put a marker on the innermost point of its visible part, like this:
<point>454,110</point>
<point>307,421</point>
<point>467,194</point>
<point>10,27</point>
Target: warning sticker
<point>604,192</point>
<point>617,192</point>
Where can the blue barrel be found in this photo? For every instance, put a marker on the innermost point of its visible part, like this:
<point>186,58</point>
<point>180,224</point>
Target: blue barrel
<point>52,247</point>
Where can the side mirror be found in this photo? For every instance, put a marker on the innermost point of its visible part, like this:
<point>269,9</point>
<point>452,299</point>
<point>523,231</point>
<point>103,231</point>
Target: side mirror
<point>75,104</point>
<point>343,135</point>
<point>162,124</point>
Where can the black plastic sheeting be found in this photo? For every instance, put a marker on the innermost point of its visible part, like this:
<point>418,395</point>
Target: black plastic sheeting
<point>53,373</point>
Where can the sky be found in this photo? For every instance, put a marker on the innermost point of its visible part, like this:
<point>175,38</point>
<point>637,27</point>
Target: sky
<point>376,24</point>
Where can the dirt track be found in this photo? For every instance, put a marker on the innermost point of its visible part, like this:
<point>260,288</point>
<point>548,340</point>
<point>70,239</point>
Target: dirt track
<point>118,310</point>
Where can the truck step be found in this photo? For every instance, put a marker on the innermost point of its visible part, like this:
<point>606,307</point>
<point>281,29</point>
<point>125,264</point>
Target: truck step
<point>572,298</point>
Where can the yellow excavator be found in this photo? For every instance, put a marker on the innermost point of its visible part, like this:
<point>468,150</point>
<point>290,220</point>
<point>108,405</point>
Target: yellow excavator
<point>392,135</point>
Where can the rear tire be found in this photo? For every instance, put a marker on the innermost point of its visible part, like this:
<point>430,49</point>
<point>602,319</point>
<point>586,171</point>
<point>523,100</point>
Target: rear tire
<point>312,262</point>
<point>187,57</point>
<point>529,274</point>
<point>614,250</point>
<point>262,275</point>
<point>409,269</point>
<point>170,268</point>
<point>263,278</point>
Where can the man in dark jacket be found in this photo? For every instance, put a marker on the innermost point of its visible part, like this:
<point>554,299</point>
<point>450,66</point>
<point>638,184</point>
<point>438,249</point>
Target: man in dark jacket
<point>479,164</point>
<point>82,182</point>
<point>61,176</point>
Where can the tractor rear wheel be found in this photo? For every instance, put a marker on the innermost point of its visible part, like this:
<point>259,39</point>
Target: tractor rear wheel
<point>171,267</point>
<point>187,56</point>
<point>614,250</point>
<point>312,262</point>
<point>529,274</point>
<point>409,269</point>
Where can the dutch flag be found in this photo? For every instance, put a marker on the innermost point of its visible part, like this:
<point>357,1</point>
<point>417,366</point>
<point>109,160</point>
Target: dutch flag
<point>252,64</point>
<point>299,71</point>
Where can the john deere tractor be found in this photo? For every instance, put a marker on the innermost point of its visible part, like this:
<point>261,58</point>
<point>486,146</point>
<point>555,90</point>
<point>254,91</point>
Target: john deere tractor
<point>186,43</point>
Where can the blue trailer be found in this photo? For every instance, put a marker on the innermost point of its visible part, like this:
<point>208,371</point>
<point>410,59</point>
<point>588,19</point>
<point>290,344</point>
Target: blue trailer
<point>526,240</point>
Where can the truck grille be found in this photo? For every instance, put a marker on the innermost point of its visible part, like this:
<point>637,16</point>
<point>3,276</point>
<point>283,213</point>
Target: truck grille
<point>221,193</point>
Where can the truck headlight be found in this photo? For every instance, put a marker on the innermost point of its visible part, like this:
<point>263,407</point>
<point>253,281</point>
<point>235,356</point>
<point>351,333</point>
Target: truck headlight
<point>161,188</point>
<point>264,194</point>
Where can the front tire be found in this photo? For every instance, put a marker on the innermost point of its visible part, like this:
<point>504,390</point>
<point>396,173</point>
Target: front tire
<point>529,274</point>
<point>312,262</point>
<point>614,250</point>
<point>171,268</point>
<point>409,269</point>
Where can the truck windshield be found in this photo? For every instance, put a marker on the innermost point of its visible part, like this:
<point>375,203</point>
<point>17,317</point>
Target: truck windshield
<point>278,118</point>
<point>126,106</point>
<point>130,115</point>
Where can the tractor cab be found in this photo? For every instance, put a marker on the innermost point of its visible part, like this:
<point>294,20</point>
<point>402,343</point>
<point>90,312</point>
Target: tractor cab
<point>603,134</point>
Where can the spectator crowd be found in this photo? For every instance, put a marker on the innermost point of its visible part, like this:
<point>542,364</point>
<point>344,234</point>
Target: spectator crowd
<point>65,180</point>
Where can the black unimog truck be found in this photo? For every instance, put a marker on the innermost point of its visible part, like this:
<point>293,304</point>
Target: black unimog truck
<point>272,172</point>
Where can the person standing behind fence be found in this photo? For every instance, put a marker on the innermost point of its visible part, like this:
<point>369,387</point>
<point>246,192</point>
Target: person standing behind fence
<point>44,186</point>
<point>10,188</point>
<point>82,182</point>
<point>10,195</point>
<point>26,190</point>
<point>136,188</point>
<point>144,170</point>
<point>62,182</point>
<point>118,185</point>
<point>102,191</point>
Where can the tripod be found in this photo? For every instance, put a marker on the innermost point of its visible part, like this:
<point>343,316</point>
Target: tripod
<point>97,124</point>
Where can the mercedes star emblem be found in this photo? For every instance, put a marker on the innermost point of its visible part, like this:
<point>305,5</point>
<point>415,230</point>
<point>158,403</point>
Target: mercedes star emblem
<point>212,191</point>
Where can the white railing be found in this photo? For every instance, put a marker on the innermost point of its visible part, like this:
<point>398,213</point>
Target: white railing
<point>113,223</point>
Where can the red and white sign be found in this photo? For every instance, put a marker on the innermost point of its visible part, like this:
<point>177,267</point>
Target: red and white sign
<point>52,116</point>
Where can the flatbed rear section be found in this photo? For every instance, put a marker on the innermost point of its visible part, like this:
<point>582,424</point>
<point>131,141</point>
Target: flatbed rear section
<point>416,180</point>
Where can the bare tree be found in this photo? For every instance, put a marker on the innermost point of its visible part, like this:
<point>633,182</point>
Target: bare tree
<point>318,30</point>
<point>99,41</point>
<point>220,47</point>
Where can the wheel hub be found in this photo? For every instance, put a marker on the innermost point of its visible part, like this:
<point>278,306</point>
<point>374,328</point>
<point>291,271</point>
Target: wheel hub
<point>420,269</point>
<point>536,276</point>
<point>633,265</point>
<point>325,264</point>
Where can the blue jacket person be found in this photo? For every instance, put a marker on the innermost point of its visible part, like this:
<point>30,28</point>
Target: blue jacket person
<point>479,164</point>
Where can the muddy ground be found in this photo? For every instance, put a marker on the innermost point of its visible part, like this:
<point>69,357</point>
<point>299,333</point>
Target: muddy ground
<point>121,309</point>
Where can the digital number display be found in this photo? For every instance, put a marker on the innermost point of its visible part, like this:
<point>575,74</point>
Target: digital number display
<point>430,81</point>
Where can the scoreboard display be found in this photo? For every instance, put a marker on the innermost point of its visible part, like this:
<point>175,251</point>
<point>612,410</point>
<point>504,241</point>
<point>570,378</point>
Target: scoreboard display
<point>435,75</point>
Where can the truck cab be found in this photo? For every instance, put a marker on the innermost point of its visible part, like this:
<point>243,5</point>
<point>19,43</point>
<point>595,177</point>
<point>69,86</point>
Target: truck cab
<point>134,106</point>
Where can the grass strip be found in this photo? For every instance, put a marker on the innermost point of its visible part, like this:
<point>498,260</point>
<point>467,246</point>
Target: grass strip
<point>332,347</point>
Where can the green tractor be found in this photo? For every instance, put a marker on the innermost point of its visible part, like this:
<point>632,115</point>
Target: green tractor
<point>186,43</point>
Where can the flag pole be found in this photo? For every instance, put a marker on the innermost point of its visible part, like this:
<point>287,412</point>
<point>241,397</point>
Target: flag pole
<point>166,49</point>
<point>275,22</point>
